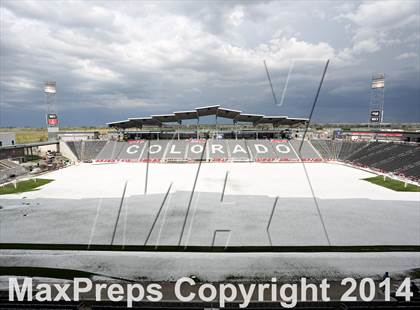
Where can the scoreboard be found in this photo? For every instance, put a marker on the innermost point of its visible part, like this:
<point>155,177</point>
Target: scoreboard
<point>52,120</point>
<point>375,116</point>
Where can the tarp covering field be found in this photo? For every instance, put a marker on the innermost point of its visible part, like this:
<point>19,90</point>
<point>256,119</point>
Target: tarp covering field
<point>329,181</point>
<point>231,204</point>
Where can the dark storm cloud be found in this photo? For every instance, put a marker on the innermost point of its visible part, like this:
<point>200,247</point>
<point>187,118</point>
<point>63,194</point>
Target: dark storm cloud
<point>113,60</point>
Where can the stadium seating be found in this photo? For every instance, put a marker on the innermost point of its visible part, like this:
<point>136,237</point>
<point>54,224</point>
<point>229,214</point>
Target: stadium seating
<point>110,151</point>
<point>176,151</point>
<point>10,169</point>
<point>211,150</point>
<point>336,147</point>
<point>72,147</point>
<point>412,171</point>
<point>78,148</point>
<point>349,148</point>
<point>217,150</point>
<point>86,150</point>
<point>284,150</point>
<point>261,150</point>
<point>403,160</point>
<point>323,148</point>
<point>307,152</point>
<point>238,150</point>
<point>396,158</point>
<point>90,149</point>
<point>196,150</point>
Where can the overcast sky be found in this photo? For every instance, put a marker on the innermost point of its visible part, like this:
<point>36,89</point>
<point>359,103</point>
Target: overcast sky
<point>118,59</point>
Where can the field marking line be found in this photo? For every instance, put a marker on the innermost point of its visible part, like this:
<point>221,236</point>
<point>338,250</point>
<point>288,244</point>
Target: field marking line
<point>192,220</point>
<point>119,212</point>
<point>269,221</point>
<point>157,214</point>
<point>92,232</point>
<point>192,194</point>
<point>224,186</point>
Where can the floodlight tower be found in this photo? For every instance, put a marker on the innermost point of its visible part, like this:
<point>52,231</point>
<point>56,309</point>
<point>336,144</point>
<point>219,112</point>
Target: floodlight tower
<point>376,106</point>
<point>50,91</point>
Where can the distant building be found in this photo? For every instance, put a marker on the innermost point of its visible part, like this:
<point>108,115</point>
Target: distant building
<point>390,135</point>
<point>77,135</point>
<point>7,138</point>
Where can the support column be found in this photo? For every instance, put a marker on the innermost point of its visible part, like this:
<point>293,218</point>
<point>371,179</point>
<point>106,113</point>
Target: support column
<point>217,131</point>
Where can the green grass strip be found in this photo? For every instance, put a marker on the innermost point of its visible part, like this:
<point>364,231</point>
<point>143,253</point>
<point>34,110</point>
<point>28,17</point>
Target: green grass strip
<point>395,185</point>
<point>23,186</point>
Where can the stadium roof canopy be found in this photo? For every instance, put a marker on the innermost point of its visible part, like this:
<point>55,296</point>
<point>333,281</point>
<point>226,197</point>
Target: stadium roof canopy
<point>205,111</point>
<point>251,118</point>
<point>294,121</point>
<point>166,118</point>
<point>179,116</point>
<point>228,113</point>
<point>145,121</point>
<point>183,115</point>
<point>275,120</point>
<point>122,124</point>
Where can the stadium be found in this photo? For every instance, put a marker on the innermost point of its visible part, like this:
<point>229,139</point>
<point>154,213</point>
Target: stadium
<point>255,189</point>
<point>158,200</point>
<point>173,155</point>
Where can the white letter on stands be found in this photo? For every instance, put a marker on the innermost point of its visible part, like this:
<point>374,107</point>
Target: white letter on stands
<point>132,149</point>
<point>172,151</point>
<point>258,149</point>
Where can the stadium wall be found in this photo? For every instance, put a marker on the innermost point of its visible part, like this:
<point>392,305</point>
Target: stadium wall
<point>67,152</point>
